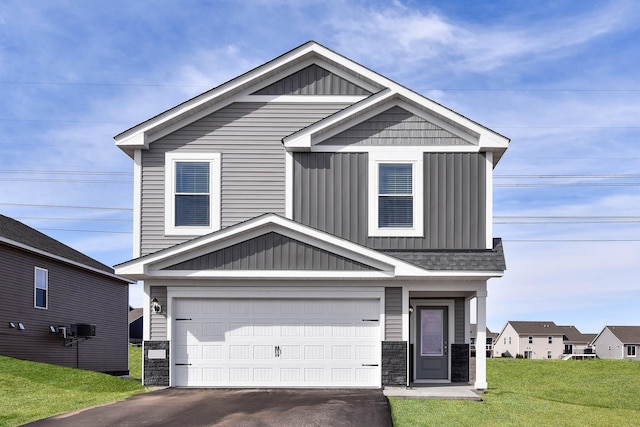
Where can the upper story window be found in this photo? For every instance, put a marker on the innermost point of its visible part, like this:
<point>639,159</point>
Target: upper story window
<point>530,339</point>
<point>550,340</point>
<point>192,193</point>
<point>41,287</point>
<point>395,194</point>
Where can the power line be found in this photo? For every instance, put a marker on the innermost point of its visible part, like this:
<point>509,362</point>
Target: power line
<point>86,231</point>
<point>42,218</point>
<point>99,208</point>
<point>67,180</point>
<point>64,172</point>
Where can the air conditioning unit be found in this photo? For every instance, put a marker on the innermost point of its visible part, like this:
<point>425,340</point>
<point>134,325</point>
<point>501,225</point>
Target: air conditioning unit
<point>84,329</point>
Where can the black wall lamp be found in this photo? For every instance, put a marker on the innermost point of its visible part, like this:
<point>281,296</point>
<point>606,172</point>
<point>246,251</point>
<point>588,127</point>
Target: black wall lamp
<point>155,305</point>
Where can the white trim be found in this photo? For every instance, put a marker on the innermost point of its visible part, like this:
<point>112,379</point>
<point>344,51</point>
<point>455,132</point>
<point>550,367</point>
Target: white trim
<point>288,185</point>
<point>146,311</point>
<point>214,160</point>
<point>489,200</point>
<point>35,288</point>
<point>137,202</point>
<point>395,148</point>
<point>416,160</point>
<point>424,302</point>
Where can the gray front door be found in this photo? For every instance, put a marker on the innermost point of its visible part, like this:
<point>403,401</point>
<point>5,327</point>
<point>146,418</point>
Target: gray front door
<point>432,343</point>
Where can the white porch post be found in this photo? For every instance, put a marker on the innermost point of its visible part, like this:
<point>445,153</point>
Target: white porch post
<point>481,339</point>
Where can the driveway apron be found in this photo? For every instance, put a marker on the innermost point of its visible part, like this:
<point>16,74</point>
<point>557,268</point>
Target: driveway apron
<point>237,408</point>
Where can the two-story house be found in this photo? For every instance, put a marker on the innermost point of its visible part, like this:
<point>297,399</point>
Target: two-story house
<point>312,223</point>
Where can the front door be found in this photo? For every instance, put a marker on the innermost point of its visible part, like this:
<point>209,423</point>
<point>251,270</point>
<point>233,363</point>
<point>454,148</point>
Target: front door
<point>432,343</point>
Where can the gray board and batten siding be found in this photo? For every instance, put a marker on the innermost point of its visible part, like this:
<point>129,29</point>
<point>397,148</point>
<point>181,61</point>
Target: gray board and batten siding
<point>271,251</point>
<point>330,193</point>
<point>396,126</point>
<point>249,137</point>
<point>312,80</point>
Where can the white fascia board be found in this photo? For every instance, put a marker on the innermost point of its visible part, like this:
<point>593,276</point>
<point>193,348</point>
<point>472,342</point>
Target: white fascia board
<point>271,274</point>
<point>64,260</point>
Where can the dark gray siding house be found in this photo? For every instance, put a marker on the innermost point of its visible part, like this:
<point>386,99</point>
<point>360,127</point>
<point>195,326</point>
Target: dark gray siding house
<point>312,223</point>
<point>47,289</point>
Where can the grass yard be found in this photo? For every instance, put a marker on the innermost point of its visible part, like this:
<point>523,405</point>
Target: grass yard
<point>30,391</point>
<point>538,392</point>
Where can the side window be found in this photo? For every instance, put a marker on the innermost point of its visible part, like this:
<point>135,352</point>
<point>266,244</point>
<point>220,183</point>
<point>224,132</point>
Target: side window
<point>41,287</point>
<point>550,340</point>
<point>631,350</point>
<point>530,339</point>
<point>192,193</point>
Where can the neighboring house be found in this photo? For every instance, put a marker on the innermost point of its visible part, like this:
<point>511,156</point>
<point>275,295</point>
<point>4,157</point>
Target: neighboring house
<point>491,336</point>
<point>135,325</point>
<point>58,305</point>
<point>575,342</point>
<point>540,340</point>
<point>618,342</point>
<point>312,223</point>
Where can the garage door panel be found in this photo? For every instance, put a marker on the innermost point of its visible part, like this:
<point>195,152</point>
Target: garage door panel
<point>287,343</point>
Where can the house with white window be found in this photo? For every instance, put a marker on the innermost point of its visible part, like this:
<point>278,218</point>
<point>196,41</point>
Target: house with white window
<point>58,305</point>
<point>540,340</point>
<point>312,223</point>
<point>618,342</point>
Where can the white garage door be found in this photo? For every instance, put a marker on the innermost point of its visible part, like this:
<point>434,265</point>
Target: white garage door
<point>276,342</point>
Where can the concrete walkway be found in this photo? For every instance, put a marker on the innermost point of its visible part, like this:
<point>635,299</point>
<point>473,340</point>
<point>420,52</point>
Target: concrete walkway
<point>448,392</point>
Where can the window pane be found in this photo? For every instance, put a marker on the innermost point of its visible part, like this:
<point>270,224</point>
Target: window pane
<point>192,177</point>
<point>41,279</point>
<point>192,210</point>
<point>431,324</point>
<point>41,298</point>
<point>395,211</point>
<point>395,179</point>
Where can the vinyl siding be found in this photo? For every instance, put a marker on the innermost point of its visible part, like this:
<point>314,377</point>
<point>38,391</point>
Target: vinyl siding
<point>396,126</point>
<point>249,137</point>
<point>393,314</point>
<point>459,321</point>
<point>312,80</point>
<point>271,251</point>
<point>74,296</point>
<point>158,323</point>
<point>331,193</point>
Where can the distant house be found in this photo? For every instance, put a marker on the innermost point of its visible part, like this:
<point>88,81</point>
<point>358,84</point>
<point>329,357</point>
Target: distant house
<point>136,324</point>
<point>58,305</point>
<point>539,340</point>
<point>618,342</point>
<point>490,338</point>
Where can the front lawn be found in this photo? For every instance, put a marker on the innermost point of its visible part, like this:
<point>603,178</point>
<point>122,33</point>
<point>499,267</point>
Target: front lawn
<point>538,392</point>
<point>30,391</point>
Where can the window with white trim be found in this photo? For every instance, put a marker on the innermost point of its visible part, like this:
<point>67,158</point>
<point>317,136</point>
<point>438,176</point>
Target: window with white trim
<point>631,351</point>
<point>395,194</point>
<point>530,339</point>
<point>41,288</point>
<point>192,193</point>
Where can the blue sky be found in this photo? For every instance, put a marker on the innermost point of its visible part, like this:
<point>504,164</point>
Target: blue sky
<point>559,78</point>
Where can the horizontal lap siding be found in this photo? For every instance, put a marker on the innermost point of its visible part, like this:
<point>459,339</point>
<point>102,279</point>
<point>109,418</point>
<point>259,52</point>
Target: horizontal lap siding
<point>331,193</point>
<point>393,314</point>
<point>249,136</point>
<point>158,330</point>
<point>75,296</point>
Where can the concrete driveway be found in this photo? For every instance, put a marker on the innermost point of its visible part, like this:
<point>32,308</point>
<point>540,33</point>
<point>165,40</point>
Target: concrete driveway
<point>237,408</point>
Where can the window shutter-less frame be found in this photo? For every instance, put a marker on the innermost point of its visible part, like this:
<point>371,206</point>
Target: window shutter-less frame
<point>395,195</point>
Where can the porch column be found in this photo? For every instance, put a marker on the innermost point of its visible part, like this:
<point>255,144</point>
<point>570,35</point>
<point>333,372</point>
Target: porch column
<point>481,340</point>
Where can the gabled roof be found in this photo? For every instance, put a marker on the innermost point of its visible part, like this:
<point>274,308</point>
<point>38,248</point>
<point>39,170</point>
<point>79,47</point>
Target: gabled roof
<point>384,92</point>
<point>574,336</point>
<point>135,314</point>
<point>17,234</point>
<point>626,334</point>
<point>536,328</point>
<point>162,264</point>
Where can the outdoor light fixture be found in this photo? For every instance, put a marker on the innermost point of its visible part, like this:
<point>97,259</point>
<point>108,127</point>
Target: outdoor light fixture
<point>155,306</point>
<point>52,329</point>
<point>12,325</point>
<point>21,326</point>
<point>410,309</point>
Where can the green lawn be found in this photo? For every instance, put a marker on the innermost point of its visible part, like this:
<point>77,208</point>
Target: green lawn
<point>30,391</point>
<point>538,392</point>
